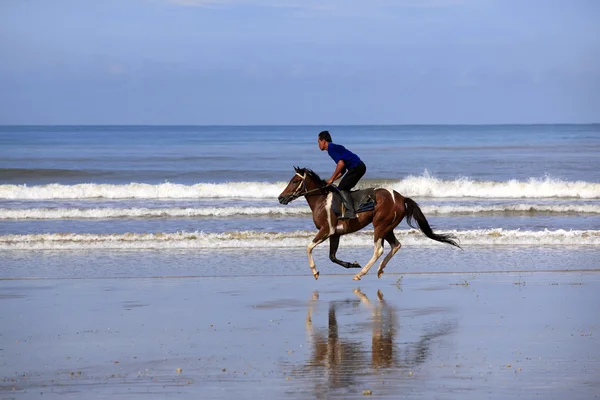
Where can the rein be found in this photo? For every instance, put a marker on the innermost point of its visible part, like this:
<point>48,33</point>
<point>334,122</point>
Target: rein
<point>312,190</point>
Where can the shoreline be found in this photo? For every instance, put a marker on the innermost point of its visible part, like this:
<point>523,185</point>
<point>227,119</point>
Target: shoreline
<point>494,272</point>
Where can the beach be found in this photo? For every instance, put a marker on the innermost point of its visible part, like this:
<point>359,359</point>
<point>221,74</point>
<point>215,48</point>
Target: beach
<point>415,335</point>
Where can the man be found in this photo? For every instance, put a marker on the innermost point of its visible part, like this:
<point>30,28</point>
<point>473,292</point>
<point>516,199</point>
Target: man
<point>346,162</point>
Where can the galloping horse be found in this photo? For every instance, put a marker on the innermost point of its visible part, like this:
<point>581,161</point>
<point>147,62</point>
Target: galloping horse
<point>390,208</point>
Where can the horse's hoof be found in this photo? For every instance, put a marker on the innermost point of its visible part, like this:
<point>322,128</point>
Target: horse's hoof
<point>356,278</point>
<point>355,265</point>
<point>316,275</point>
<point>379,273</point>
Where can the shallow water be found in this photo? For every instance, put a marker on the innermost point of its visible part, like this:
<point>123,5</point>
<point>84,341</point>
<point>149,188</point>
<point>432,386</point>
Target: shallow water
<point>289,262</point>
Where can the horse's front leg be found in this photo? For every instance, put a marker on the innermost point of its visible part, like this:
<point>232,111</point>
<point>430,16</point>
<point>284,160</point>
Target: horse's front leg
<point>334,242</point>
<point>321,236</point>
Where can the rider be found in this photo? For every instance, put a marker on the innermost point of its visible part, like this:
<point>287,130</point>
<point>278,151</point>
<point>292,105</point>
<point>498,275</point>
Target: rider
<point>346,161</point>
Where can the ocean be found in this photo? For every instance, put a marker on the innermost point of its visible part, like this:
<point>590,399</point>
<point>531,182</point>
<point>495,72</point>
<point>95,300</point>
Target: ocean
<point>202,200</point>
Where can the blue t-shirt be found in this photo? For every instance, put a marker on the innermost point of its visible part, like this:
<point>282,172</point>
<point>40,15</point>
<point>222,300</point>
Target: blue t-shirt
<point>338,152</point>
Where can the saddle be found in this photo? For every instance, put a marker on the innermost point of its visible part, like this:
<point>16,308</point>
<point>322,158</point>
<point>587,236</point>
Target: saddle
<point>364,200</point>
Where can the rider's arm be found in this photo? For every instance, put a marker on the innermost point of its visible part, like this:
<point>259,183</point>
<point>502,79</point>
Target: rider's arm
<point>340,167</point>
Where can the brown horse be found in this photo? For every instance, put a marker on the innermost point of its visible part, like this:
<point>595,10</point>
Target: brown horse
<point>391,207</point>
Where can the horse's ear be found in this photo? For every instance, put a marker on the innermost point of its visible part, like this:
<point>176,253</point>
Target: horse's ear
<point>297,169</point>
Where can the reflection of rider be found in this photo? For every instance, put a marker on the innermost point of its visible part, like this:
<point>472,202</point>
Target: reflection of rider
<point>346,161</point>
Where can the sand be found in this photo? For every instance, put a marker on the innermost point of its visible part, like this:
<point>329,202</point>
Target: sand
<point>450,336</point>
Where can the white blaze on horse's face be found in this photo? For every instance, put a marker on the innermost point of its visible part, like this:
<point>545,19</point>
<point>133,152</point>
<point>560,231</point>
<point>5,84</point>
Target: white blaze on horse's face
<point>296,193</point>
<point>303,177</point>
<point>288,197</point>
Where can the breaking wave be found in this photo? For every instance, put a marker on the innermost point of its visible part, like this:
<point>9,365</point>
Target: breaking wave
<point>278,211</point>
<point>108,213</point>
<point>428,186</point>
<point>514,209</point>
<point>412,186</point>
<point>296,239</point>
<point>257,190</point>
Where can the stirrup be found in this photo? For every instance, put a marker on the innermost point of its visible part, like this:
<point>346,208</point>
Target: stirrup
<point>347,215</point>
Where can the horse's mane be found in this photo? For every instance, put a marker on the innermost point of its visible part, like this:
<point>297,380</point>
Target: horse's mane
<point>311,174</point>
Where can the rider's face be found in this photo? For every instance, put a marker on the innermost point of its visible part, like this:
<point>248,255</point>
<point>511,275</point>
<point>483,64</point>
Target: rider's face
<point>322,144</point>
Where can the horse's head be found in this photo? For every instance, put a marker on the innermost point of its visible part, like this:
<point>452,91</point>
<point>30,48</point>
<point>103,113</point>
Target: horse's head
<point>303,182</point>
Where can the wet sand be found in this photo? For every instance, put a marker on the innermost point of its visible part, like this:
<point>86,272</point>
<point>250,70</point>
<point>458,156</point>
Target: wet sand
<point>450,336</point>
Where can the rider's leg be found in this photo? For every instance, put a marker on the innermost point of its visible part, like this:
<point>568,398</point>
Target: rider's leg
<point>352,177</point>
<point>349,205</point>
<point>346,184</point>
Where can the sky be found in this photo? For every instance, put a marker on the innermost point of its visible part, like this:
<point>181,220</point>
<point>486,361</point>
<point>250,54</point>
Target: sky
<point>253,62</point>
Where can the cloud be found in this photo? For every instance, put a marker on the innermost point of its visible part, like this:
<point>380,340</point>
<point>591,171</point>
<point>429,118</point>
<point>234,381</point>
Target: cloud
<point>322,5</point>
<point>373,9</point>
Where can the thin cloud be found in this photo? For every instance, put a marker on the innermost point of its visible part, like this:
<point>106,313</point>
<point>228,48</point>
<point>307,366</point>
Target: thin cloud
<point>377,9</point>
<point>320,5</point>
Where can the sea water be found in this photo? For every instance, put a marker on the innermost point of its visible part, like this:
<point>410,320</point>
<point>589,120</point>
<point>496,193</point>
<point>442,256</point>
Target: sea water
<point>205,193</point>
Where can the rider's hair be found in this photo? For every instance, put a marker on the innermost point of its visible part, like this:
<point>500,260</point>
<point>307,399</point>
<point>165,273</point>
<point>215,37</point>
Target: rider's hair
<point>324,135</point>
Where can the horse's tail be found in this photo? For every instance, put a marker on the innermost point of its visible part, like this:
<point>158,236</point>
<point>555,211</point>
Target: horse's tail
<point>413,211</point>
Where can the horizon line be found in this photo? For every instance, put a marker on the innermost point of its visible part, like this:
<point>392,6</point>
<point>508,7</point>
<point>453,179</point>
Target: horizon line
<point>311,124</point>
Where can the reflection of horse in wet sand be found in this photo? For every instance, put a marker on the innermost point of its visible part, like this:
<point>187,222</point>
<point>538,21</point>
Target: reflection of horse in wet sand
<point>386,211</point>
<point>383,331</point>
<point>331,351</point>
<point>341,360</point>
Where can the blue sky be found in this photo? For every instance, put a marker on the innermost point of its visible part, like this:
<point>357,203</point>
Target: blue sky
<point>299,61</point>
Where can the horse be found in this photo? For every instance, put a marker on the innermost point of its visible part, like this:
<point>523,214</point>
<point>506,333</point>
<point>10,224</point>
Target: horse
<point>389,210</point>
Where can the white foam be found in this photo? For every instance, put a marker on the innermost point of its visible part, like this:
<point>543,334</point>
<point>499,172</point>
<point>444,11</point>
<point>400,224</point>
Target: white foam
<point>109,213</point>
<point>257,190</point>
<point>513,208</point>
<point>296,239</point>
<point>412,186</point>
<point>428,186</point>
<point>278,211</point>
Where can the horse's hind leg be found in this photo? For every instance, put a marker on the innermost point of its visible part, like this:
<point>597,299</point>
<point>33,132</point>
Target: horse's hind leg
<point>334,242</point>
<point>377,252</point>
<point>395,245</point>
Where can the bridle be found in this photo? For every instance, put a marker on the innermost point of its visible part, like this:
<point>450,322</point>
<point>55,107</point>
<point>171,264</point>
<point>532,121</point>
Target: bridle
<point>302,187</point>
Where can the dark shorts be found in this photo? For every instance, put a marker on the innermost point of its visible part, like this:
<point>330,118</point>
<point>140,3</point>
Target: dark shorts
<point>352,177</point>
